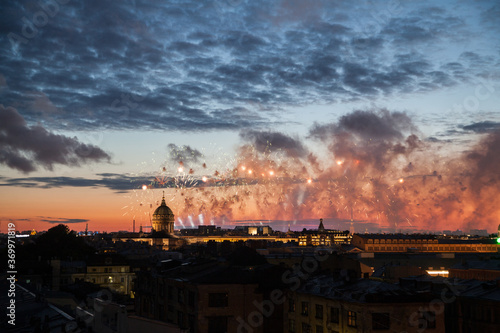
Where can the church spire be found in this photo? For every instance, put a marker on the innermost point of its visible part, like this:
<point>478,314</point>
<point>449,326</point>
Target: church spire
<point>163,199</point>
<point>321,227</point>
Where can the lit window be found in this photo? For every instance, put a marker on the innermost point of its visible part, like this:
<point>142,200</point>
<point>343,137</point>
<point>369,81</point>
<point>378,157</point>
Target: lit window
<point>305,309</point>
<point>351,318</point>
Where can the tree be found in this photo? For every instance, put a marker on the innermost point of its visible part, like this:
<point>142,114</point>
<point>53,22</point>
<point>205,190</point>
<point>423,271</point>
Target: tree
<point>58,242</point>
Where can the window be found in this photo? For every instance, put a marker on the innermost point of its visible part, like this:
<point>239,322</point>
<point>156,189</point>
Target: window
<point>291,326</point>
<point>161,289</point>
<point>381,321</point>
<point>291,305</point>
<point>319,311</point>
<point>122,280</point>
<point>191,323</point>
<point>217,300</point>
<point>191,299</point>
<point>306,328</point>
<point>351,318</point>
<point>180,296</point>
<point>217,324</point>
<point>180,319</point>
<point>334,315</point>
<point>319,329</point>
<point>305,309</point>
<point>161,312</point>
<point>170,292</point>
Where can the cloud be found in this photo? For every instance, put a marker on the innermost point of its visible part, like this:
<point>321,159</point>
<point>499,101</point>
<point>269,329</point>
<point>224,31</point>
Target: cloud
<point>375,137</point>
<point>269,141</point>
<point>62,220</point>
<point>485,160</point>
<point>211,66</point>
<point>367,125</point>
<point>482,127</point>
<point>375,168</point>
<point>25,148</point>
<point>15,220</point>
<point>112,181</point>
<point>184,153</point>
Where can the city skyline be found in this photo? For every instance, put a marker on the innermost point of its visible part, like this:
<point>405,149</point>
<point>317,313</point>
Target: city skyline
<point>377,116</point>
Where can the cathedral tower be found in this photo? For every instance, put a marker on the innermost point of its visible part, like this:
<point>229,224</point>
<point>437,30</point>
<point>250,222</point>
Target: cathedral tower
<point>163,218</point>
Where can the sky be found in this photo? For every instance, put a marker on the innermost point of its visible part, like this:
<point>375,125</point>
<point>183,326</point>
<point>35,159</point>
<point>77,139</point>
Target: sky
<point>376,116</point>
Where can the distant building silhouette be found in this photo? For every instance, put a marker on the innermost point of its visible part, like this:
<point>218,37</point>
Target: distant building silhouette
<point>323,237</point>
<point>162,231</point>
<point>420,243</point>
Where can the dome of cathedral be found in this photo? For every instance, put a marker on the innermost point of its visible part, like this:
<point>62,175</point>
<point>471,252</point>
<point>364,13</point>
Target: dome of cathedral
<point>163,218</point>
<point>163,209</point>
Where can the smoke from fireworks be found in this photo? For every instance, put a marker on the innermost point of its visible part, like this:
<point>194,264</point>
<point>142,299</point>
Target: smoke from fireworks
<point>369,167</point>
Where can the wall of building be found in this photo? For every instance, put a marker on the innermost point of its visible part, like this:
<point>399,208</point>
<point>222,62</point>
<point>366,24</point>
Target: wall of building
<point>418,245</point>
<point>359,316</point>
<point>169,300</point>
<point>478,274</point>
<point>117,278</point>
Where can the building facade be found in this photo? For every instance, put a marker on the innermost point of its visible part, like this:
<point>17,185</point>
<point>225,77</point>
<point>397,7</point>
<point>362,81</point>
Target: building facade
<point>419,243</point>
<point>324,237</point>
<point>206,297</point>
<point>326,306</point>
<point>163,218</point>
<point>108,272</point>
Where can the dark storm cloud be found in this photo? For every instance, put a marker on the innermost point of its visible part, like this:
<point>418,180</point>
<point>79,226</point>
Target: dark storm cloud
<point>197,65</point>
<point>25,147</point>
<point>268,141</point>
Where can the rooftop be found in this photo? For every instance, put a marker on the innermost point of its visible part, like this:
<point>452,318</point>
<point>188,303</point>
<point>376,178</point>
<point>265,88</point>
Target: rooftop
<point>362,290</point>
